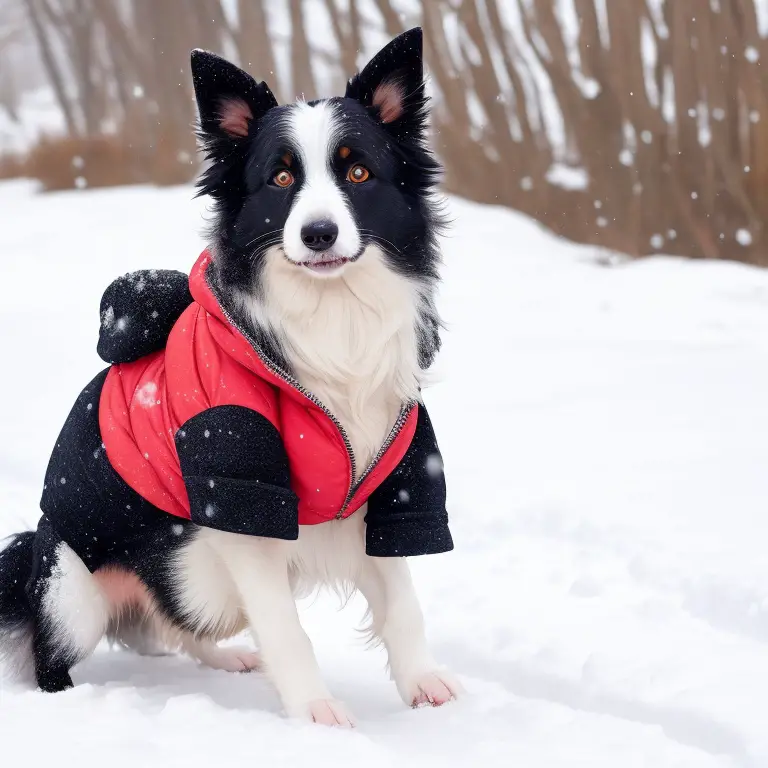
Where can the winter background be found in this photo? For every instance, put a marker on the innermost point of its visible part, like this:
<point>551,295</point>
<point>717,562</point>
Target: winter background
<point>602,418</point>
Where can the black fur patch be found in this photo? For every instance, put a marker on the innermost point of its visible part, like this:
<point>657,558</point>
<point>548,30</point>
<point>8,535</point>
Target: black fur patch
<point>53,655</point>
<point>16,617</point>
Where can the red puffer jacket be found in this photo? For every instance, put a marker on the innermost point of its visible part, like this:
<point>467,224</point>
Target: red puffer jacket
<point>210,430</point>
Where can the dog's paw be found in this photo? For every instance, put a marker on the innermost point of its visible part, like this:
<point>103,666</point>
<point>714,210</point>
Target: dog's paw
<point>324,712</point>
<point>231,659</point>
<point>430,689</point>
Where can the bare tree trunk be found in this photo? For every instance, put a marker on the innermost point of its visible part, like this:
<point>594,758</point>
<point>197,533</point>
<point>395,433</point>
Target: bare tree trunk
<point>302,77</point>
<point>254,45</point>
<point>81,54</point>
<point>347,34</point>
<point>392,22</point>
<point>51,65</point>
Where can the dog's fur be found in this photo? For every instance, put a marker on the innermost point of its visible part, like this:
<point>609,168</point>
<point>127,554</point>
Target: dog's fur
<point>355,324</point>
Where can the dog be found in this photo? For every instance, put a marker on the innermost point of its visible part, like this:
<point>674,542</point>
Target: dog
<point>264,434</point>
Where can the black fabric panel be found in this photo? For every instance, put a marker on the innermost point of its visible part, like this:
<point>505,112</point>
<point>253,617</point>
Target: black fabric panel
<point>408,535</point>
<point>138,311</point>
<point>236,471</point>
<point>406,513</point>
<point>90,506</point>
<point>243,506</point>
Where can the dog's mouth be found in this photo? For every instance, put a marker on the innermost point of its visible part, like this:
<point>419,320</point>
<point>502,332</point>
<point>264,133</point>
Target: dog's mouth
<point>325,265</point>
<point>328,262</point>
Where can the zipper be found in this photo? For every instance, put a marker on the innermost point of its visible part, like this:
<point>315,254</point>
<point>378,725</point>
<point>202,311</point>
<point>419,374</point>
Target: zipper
<point>405,411</point>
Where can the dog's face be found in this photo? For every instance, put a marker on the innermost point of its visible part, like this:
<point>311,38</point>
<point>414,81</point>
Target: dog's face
<point>322,181</point>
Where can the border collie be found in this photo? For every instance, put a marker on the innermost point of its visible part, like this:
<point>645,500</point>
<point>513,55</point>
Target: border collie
<point>314,305</point>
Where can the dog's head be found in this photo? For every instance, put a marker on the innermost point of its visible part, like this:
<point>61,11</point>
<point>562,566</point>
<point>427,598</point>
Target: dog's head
<point>323,182</point>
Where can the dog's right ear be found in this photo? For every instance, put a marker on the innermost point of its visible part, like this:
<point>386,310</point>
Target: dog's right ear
<point>229,100</point>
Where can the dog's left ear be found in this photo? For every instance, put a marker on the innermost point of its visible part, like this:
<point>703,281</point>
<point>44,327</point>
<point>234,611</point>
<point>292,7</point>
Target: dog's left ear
<point>392,83</point>
<point>229,100</point>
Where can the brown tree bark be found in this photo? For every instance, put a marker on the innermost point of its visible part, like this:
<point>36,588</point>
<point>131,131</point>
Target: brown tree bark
<point>302,77</point>
<point>51,65</point>
<point>254,45</point>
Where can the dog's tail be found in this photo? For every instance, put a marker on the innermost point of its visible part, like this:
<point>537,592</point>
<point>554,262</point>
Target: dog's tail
<point>16,624</point>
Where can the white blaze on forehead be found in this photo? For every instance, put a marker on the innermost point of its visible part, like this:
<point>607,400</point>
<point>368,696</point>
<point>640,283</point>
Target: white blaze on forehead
<point>314,133</point>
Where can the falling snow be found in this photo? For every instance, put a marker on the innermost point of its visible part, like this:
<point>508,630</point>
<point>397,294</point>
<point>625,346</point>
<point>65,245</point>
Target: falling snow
<point>146,395</point>
<point>434,465</point>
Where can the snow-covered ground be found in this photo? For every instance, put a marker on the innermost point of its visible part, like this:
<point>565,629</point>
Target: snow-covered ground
<point>604,433</point>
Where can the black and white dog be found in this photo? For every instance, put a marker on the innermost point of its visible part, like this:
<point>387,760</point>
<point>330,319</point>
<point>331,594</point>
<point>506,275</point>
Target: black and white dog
<point>325,250</point>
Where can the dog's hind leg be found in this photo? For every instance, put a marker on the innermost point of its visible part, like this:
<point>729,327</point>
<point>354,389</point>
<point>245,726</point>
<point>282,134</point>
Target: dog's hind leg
<point>149,635</point>
<point>193,603</point>
<point>142,633</point>
<point>70,610</point>
<point>227,658</point>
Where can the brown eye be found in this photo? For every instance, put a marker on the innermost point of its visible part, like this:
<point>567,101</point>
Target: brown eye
<point>357,174</point>
<point>283,178</point>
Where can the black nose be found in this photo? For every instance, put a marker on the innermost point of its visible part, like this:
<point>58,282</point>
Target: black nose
<point>319,235</point>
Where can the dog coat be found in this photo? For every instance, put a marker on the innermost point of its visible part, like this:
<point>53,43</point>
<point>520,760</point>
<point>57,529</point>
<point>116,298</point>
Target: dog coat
<point>209,429</point>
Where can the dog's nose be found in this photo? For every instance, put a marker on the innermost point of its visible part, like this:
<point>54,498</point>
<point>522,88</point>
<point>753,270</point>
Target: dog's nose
<point>319,235</point>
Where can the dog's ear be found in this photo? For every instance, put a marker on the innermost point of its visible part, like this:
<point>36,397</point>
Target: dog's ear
<point>228,99</point>
<point>392,83</point>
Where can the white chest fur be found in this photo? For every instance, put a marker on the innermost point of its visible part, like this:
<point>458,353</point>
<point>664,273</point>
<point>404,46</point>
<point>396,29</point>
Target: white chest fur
<point>351,340</point>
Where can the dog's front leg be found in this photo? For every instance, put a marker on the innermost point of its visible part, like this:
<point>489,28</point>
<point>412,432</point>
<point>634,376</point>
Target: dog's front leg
<point>388,587</point>
<point>259,568</point>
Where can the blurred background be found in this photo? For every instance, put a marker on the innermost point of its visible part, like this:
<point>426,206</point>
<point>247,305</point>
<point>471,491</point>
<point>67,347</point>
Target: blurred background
<point>638,125</point>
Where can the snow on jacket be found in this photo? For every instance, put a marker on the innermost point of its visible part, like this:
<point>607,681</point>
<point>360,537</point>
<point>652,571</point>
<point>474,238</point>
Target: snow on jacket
<point>208,429</point>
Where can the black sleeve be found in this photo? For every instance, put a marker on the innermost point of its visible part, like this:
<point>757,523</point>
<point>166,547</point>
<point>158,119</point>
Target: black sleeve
<point>138,311</point>
<point>406,513</point>
<point>236,473</point>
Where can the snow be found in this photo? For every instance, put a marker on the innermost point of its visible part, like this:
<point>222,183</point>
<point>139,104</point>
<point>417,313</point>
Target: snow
<point>568,177</point>
<point>603,432</point>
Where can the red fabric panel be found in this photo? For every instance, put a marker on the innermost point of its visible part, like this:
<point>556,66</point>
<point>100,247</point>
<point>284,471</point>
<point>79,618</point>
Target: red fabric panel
<point>135,437</point>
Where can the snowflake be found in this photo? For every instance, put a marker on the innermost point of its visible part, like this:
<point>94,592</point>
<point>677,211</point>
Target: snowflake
<point>434,465</point>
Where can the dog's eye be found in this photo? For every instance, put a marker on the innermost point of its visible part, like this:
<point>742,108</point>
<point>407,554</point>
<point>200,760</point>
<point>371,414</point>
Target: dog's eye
<point>357,174</point>
<point>283,178</point>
